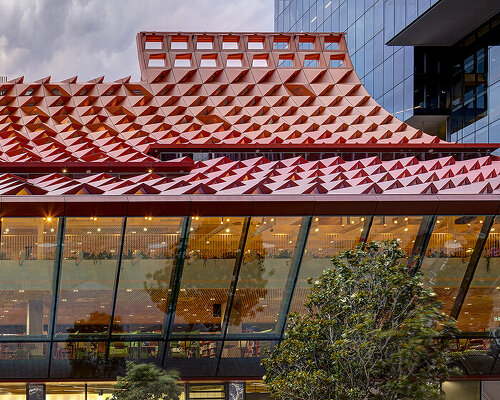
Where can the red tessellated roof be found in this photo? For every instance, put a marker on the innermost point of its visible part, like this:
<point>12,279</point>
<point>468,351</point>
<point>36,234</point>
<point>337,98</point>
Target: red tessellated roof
<point>251,94</point>
<point>292,176</point>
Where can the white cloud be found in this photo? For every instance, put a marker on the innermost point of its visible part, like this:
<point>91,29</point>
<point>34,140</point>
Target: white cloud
<point>90,38</point>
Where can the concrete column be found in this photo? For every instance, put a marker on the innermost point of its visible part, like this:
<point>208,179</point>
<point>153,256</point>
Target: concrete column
<point>35,391</point>
<point>39,240</point>
<point>34,317</point>
<point>34,324</point>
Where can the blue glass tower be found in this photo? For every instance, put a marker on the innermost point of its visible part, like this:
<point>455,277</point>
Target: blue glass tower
<point>432,63</point>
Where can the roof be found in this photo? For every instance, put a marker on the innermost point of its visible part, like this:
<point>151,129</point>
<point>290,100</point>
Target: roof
<point>81,148</point>
<point>302,99</point>
<point>292,176</point>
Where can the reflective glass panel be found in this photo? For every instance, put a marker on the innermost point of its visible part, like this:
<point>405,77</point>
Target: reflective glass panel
<point>23,360</point>
<point>242,357</point>
<point>146,350</point>
<point>246,348</point>
<point>193,358</point>
<point>206,277</point>
<point>403,229</point>
<point>462,390</point>
<point>203,392</point>
<point>264,271</point>
<point>149,256</point>
<point>90,258</point>
<point>448,253</point>
<point>13,391</point>
<point>80,359</point>
<point>27,253</point>
<point>481,308</point>
<point>23,351</point>
<point>327,237</point>
<point>193,349</point>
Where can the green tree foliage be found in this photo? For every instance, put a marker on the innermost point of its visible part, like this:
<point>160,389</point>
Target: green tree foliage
<point>371,331</point>
<point>147,382</point>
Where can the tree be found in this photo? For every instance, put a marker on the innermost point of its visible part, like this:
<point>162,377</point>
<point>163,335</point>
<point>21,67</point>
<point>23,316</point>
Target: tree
<point>147,382</point>
<point>370,330</point>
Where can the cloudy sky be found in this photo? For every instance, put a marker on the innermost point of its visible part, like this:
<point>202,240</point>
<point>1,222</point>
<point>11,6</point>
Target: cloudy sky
<point>90,38</point>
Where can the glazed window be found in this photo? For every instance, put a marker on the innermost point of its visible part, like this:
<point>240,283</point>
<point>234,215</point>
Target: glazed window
<point>285,61</point>
<point>260,61</point>
<point>154,43</point>
<point>156,60</point>
<point>235,61</point>
<point>90,254</point>
<point>336,62</point>
<point>230,43</point>
<point>256,43</point>
<point>311,61</point>
<point>179,43</point>
<point>150,244</point>
<point>306,43</point>
<point>209,61</point>
<point>328,236</point>
<point>205,43</point>
<point>331,43</point>
<point>183,61</point>
<point>281,43</point>
<point>212,246</point>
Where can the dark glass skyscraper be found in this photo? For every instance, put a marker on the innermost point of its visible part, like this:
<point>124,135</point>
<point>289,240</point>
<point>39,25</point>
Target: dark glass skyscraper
<point>433,63</point>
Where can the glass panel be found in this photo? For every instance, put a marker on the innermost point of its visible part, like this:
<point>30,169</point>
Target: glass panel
<point>462,390</point>
<point>149,256</point>
<point>182,62</point>
<point>208,45</point>
<point>327,237</point>
<point>137,350</point>
<point>192,349</point>
<point>490,390</point>
<point>242,357</point>
<point>13,391</point>
<point>79,359</point>
<point>27,253</point>
<point>256,390</point>
<point>481,309</point>
<point>23,360</point>
<point>91,247</point>
<point>263,275</point>
<point>193,358</point>
<point>208,269</point>
<point>205,392</point>
<point>245,348</point>
<point>448,253</point>
<point>234,62</point>
<point>403,229</point>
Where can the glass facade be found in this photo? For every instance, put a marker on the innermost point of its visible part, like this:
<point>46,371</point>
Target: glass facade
<point>459,83</point>
<point>204,294</point>
<point>385,71</point>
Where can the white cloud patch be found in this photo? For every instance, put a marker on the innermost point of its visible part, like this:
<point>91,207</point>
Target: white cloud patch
<point>90,38</point>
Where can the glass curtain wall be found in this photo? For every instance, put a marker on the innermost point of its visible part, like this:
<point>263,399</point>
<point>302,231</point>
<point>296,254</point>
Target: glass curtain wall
<point>235,277</point>
<point>448,254</point>
<point>385,71</point>
<point>28,249</point>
